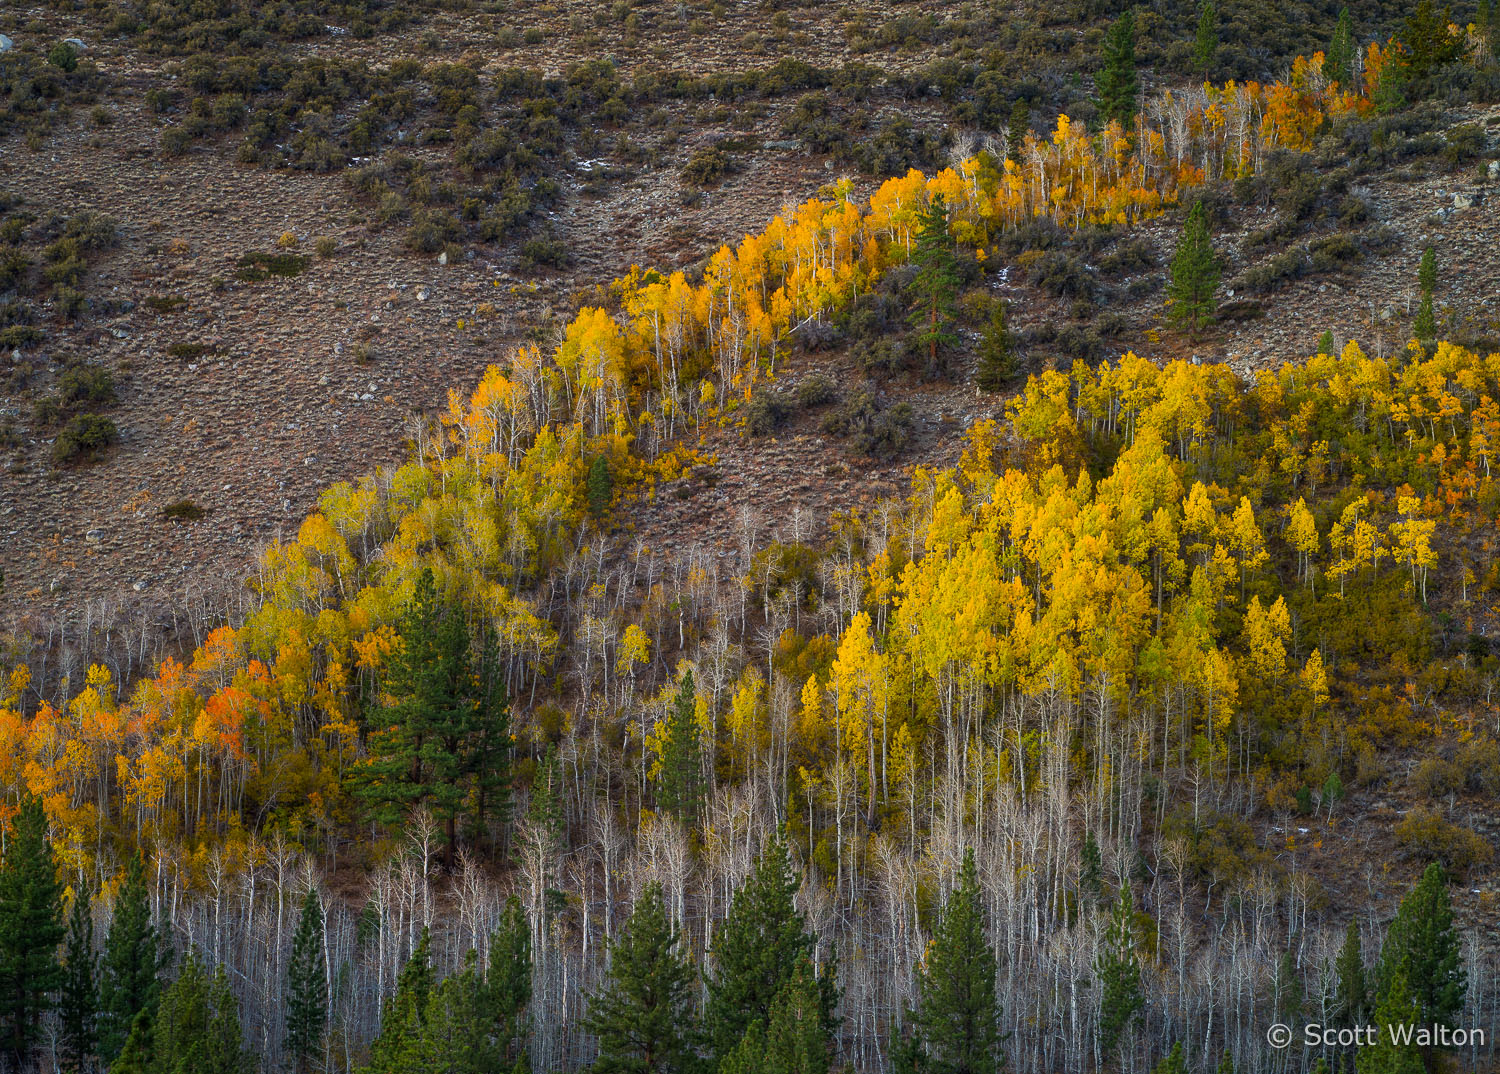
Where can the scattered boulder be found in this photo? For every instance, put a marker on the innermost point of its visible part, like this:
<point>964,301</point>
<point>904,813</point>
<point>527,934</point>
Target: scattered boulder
<point>77,43</point>
<point>6,44</point>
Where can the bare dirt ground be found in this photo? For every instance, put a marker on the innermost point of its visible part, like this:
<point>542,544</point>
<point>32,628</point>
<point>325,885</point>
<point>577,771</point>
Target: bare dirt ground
<point>282,406</point>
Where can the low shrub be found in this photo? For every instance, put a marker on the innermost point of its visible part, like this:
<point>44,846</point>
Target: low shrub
<point>85,438</point>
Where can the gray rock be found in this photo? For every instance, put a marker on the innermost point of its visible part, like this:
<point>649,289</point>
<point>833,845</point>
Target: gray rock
<point>138,585</point>
<point>1463,201</point>
<point>6,44</point>
<point>76,43</point>
<point>94,536</point>
<point>1494,171</point>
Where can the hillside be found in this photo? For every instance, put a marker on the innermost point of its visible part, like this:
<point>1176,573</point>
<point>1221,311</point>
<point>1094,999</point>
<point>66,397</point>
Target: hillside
<point>507,505</point>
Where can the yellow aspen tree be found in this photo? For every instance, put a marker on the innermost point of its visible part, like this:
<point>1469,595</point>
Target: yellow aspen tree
<point>1302,534</point>
<point>1248,543</point>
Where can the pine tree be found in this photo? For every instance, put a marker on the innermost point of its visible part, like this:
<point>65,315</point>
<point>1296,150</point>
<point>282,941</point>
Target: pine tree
<point>682,757</point>
<point>1422,947</point>
<point>1428,43</point>
<point>1172,1062</point>
<point>1338,61</point>
<point>197,1027</point>
<point>1351,996</point>
<point>458,1035</point>
<point>135,1055</point>
<point>1424,325</point>
<point>78,999</point>
<point>1116,83</point>
<point>796,1041</point>
<point>957,1015</point>
<point>1427,271</point>
<point>935,284</point>
<point>1206,42</point>
<point>997,352</point>
<point>599,486</point>
<point>397,1048</point>
<point>642,1014</point>
<point>1325,343</point>
<point>488,761</point>
<point>1019,127</point>
<point>1289,993</point>
<point>134,957</point>
<point>1118,969</point>
<point>1387,1054</point>
<point>756,949</point>
<point>420,741</point>
<point>1226,1063</point>
<point>306,997</point>
<point>507,984</point>
<point>31,929</point>
<point>1194,275</point>
<point>1091,869</point>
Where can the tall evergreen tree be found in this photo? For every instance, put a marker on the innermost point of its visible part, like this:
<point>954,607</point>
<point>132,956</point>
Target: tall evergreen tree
<point>306,998</point>
<point>1016,131</point>
<point>1289,992</point>
<point>1194,275</point>
<point>997,351</point>
<point>1422,947</point>
<point>488,762</point>
<point>935,285</point>
<point>134,957</point>
<point>197,1027</point>
<point>643,1012</point>
<point>1428,43</point>
<point>1116,83</point>
<point>423,738</point>
<point>1338,61</point>
<point>957,1015</point>
<point>1387,1054</point>
<point>31,929</point>
<point>682,757</point>
<point>755,951</point>
<point>459,1034</point>
<point>78,999</point>
<point>1118,969</point>
<point>1325,343</point>
<point>1427,271</point>
<point>599,486</point>
<point>135,1056</point>
<point>397,1048</point>
<point>508,982</point>
<point>795,1041</point>
<point>1351,997</point>
<point>1206,41</point>
<point>1172,1062</point>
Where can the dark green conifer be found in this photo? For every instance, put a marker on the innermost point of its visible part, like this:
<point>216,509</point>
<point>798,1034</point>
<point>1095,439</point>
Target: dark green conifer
<point>997,352</point>
<point>306,998</point>
<point>756,950</point>
<point>1422,947</point>
<point>31,929</point>
<point>1118,969</point>
<point>1116,83</point>
<point>1194,275</point>
<point>130,970</point>
<point>935,284</point>
<point>1206,41</point>
<point>958,1015</point>
<point>643,1012</point>
<point>682,757</point>
<point>1338,61</point>
<point>78,999</point>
